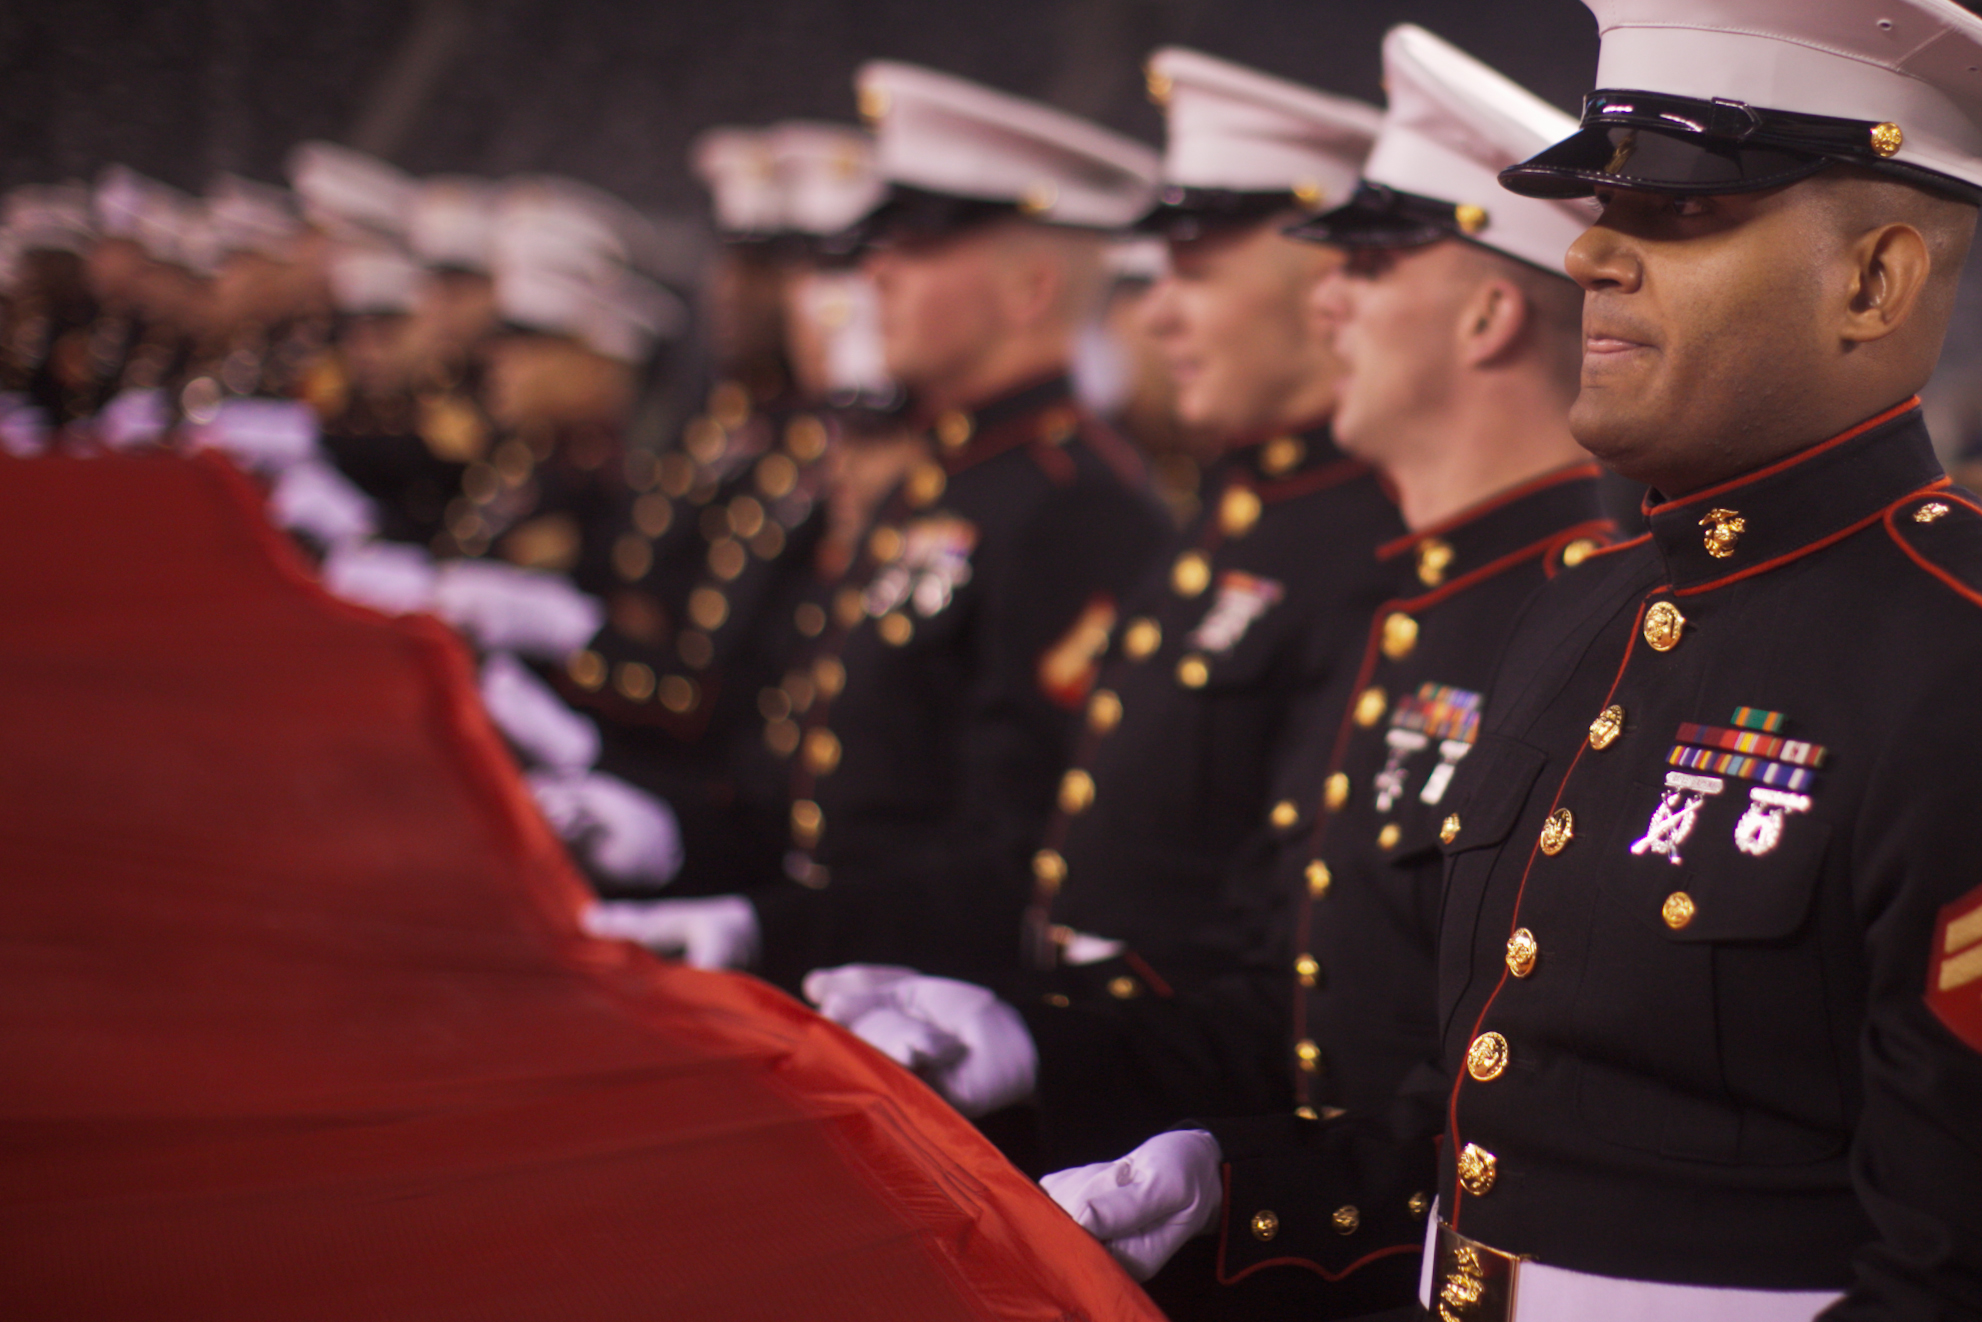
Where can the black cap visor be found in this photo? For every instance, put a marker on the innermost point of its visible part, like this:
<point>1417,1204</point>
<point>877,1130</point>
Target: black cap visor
<point>1380,217</point>
<point>1681,145</point>
<point>1182,214</point>
<point>908,216</point>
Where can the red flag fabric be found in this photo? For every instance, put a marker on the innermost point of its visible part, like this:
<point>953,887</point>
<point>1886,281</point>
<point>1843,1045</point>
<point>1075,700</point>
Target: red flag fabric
<point>297,1021</point>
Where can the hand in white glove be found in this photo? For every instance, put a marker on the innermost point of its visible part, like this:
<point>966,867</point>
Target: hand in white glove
<point>716,933</point>
<point>623,831</point>
<point>506,608</point>
<point>314,498</point>
<point>534,718</point>
<point>970,1046</point>
<point>267,435</point>
<point>385,576</point>
<point>1145,1205</point>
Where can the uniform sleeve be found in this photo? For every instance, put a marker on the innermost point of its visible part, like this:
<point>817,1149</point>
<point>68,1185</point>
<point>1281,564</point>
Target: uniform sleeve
<point>1916,1158</point>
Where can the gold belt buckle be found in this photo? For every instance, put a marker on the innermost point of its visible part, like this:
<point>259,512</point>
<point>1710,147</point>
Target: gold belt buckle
<point>1472,1282</point>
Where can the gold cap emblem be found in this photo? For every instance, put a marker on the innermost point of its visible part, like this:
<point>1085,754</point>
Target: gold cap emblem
<point>1887,138</point>
<point>1470,217</point>
<point>1663,625</point>
<point>1724,529</point>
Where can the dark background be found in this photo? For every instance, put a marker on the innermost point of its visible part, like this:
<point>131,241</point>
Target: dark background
<point>612,91</point>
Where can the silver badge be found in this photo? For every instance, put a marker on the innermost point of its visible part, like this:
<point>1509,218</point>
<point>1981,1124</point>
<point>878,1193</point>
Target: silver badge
<point>1678,809</point>
<point>1760,828</point>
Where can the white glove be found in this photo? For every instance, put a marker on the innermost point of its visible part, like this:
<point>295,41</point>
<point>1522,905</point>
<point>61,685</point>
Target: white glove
<point>386,576</point>
<point>716,933</point>
<point>506,608</point>
<point>1145,1205</point>
<point>133,418</point>
<point>970,1046</point>
<point>534,718</point>
<point>267,435</point>
<point>315,498</point>
<point>623,831</point>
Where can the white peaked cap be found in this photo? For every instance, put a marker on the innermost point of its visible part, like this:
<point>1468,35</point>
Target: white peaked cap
<point>48,216</point>
<point>368,279</point>
<point>252,217</point>
<point>451,222</point>
<point>826,175</point>
<point>1452,126</point>
<point>1904,75</point>
<point>942,134</point>
<point>1233,128</point>
<point>736,165</point>
<point>612,311</point>
<point>155,216</point>
<point>349,194</point>
<point>576,218</point>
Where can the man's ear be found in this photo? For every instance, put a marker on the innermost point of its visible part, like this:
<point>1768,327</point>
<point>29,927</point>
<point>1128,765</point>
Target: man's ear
<point>1032,287</point>
<point>1491,322</point>
<point>1890,268</point>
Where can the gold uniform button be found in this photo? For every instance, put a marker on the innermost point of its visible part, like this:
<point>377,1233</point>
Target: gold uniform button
<point>1284,814</point>
<point>1605,729</point>
<point>809,619</point>
<point>1576,552</point>
<point>1346,1219</point>
<point>1308,1054</point>
<point>885,544</point>
<point>1265,1226</point>
<point>805,438</point>
<point>1371,704</point>
<point>1400,635</point>
<point>1238,511</point>
<point>727,559</point>
<point>587,669</point>
<point>634,681</point>
<point>848,609</point>
<point>776,475</point>
<point>925,484</point>
<point>1387,838</point>
<point>1335,791</point>
<point>1193,672</point>
<point>678,694</point>
<point>828,677</point>
<point>1558,831</point>
<point>1478,1169</point>
<point>746,517</point>
<point>1678,910</point>
<point>1486,1059</point>
<point>806,822</point>
<point>1663,625</point>
<point>1418,1204</point>
<point>1124,988</point>
<point>1191,574</point>
<point>781,737</point>
<point>1448,830</point>
<point>1104,711</point>
<point>1141,639</point>
<point>708,607</point>
<point>1319,878</point>
<point>1049,869</point>
<point>632,557</point>
<point>773,704</point>
<point>1306,1113</point>
<point>1307,968</point>
<point>1281,456</point>
<point>1076,792</point>
<point>954,428</point>
<point>1522,951</point>
<point>896,629</point>
<point>822,751</point>
<point>1434,558</point>
<point>695,648</point>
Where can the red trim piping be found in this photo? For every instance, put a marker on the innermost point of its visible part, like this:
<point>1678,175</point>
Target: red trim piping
<point>1556,477</point>
<point>1801,551</point>
<point>1225,1237</point>
<point>1911,402</point>
<point>1971,594</point>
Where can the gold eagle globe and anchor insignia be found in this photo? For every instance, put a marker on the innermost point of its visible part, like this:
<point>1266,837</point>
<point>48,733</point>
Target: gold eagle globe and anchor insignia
<point>1724,529</point>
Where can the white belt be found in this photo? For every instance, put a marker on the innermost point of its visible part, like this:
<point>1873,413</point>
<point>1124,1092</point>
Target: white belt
<point>1543,1293</point>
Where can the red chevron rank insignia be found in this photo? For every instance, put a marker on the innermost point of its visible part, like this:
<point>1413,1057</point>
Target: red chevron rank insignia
<point>1954,974</point>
